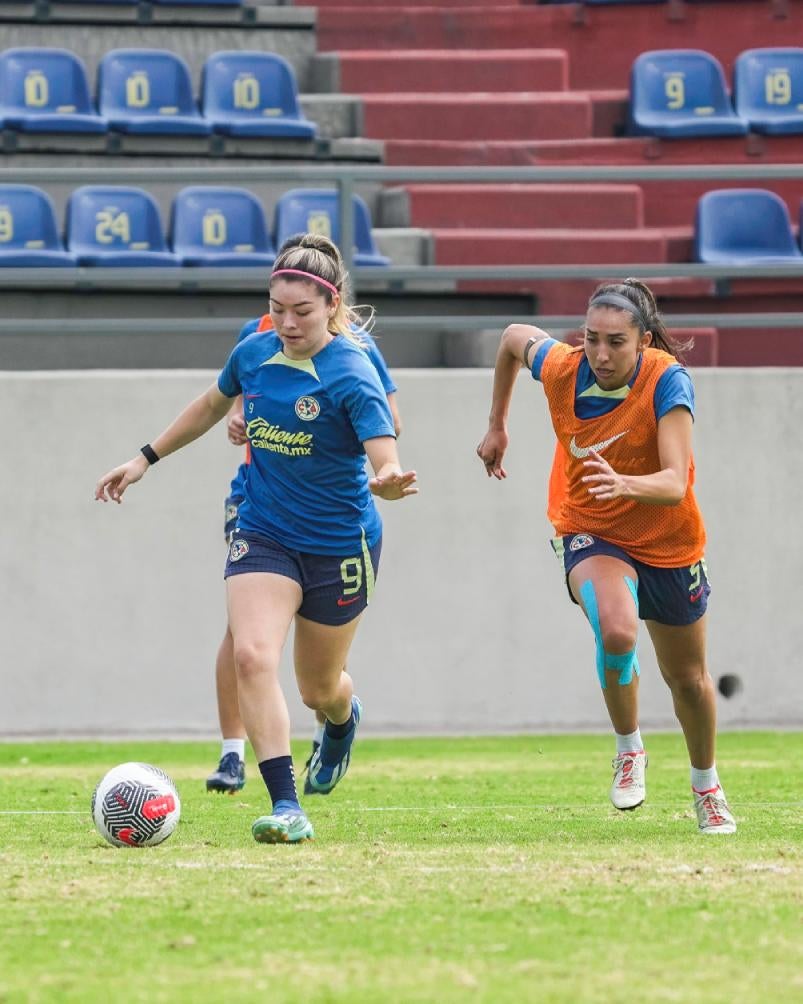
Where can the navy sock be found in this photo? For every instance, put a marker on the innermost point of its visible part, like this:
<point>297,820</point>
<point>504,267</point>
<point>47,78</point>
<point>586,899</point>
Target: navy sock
<point>339,731</point>
<point>336,741</point>
<point>280,780</point>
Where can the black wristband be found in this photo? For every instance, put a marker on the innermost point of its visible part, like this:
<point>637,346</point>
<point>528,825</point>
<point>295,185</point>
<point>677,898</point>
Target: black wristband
<point>149,454</point>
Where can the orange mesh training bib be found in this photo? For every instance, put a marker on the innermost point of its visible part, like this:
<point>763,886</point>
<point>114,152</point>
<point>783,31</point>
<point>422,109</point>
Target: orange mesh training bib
<point>660,535</point>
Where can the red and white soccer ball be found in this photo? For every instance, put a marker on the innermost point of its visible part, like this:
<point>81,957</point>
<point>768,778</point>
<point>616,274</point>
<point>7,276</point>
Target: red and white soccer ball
<point>135,805</point>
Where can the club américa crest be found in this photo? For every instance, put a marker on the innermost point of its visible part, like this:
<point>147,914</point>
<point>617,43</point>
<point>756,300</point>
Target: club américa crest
<point>579,541</point>
<point>307,408</point>
<point>238,549</point>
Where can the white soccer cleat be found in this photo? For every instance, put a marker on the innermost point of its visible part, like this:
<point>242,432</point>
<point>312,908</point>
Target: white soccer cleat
<point>713,814</point>
<point>629,788</point>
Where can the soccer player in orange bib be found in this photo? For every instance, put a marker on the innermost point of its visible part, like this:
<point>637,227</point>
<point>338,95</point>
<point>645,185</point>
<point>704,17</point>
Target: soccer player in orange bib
<point>628,529</point>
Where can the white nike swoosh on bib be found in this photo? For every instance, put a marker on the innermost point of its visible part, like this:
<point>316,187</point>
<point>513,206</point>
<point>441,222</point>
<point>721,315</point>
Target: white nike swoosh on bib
<point>584,451</point>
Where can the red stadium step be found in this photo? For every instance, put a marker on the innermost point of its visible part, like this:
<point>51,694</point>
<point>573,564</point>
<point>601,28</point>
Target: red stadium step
<point>569,296</point>
<point>512,153</point>
<point>637,151</point>
<point>547,247</point>
<point>705,345</point>
<point>602,41</point>
<point>514,206</point>
<point>752,149</point>
<point>742,296</point>
<point>764,347</point>
<point>609,111</point>
<point>746,346</point>
<point>679,242</point>
<point>338,4</point>
<point>444,70</point>
<point>466,116</point>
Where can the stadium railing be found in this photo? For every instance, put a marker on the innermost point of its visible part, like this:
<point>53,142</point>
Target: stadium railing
<point>345,178</point>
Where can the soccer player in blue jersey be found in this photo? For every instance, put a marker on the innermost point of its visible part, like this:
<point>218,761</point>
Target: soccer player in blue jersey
<point>229,775</point>
<point>308,536</point>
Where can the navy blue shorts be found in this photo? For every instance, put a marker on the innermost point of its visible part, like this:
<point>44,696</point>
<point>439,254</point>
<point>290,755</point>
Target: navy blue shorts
<point>674,596</point>
<point>231,512</point>
<point>335,589</point>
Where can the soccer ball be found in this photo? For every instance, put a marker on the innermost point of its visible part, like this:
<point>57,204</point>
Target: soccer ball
<point>135,805</point>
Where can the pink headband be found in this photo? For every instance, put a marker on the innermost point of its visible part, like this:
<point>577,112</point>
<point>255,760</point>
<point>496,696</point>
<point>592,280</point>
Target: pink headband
<point>306,275</point>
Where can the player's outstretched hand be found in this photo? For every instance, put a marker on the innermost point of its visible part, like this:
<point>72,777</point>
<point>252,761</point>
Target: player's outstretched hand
<point>607,484</point>
<point>491,451</point>
<point>111,486</point>
<point>396,485</point>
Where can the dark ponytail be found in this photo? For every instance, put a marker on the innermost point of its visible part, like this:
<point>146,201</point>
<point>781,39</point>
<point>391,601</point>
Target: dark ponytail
<point>645,313</point>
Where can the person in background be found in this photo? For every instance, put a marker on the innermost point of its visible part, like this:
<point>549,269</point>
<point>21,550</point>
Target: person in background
<point>229,776</point>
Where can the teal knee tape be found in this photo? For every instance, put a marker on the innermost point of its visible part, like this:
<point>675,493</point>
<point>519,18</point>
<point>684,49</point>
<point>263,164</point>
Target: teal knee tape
<point>589,598</point>
<point>627,664</point>
<point>631,585</point>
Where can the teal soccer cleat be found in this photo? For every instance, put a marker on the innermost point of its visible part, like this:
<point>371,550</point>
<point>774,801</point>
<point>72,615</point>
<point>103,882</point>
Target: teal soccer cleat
<point>330,763</point>
<point>283,828</point>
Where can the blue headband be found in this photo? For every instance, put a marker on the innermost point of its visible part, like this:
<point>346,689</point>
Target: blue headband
<point>621,303</point>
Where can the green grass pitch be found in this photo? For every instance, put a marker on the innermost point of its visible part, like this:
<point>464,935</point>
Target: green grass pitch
<point>484,869</point>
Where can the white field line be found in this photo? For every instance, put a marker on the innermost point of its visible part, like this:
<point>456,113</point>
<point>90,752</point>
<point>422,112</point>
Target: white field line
<point>447,807</point>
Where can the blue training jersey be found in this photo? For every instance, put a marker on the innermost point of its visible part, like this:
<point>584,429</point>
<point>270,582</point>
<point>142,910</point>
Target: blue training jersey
<point>306,421</point>
<point>237,489</point>
<point>674,389</point>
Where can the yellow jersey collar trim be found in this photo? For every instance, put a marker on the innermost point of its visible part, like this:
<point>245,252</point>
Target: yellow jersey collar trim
<point>280,359</point>
<point>596,391</point>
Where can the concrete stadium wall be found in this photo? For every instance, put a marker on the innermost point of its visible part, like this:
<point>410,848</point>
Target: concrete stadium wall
<point>110,616</point>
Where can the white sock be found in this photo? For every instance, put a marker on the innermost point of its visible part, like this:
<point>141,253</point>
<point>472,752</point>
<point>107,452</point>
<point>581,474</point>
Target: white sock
<point>317,735</point>
<point>704,780</point>
<point>233,746</point>
<point>631,743</point>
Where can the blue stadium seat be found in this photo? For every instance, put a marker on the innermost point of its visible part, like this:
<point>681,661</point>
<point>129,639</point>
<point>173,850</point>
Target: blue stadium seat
<point>148,91</point>
<point>680,92</point>
<point>736,226</point>
<point>252,94</point>
<point>29,233</point>
<point>768,90</point>
<point>116,226</point>
<point>312,210</point>
<point>46,90</point>
<point>220,226</point>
